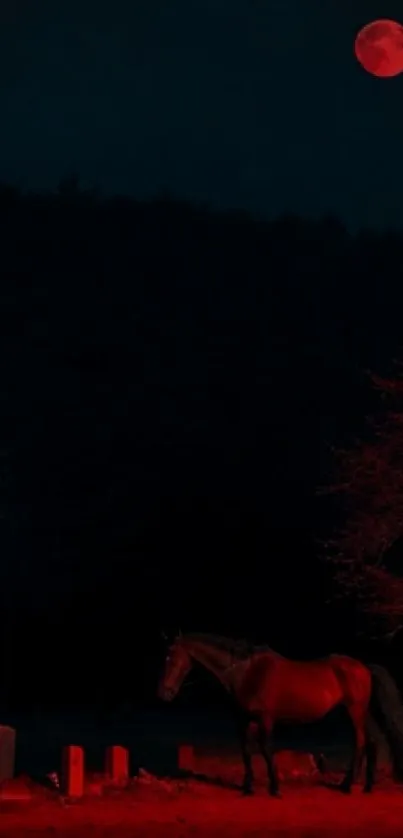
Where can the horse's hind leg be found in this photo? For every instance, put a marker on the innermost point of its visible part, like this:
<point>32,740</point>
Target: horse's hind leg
<point>265,739</point>
<point>357,715</point>
<point>371,756</point>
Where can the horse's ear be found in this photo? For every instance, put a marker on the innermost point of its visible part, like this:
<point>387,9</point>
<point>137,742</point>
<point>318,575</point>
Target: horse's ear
<point>164,636</point>
<point>179,633</point>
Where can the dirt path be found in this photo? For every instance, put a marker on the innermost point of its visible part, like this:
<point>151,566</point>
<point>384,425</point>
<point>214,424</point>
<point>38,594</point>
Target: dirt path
<point>192,810</point>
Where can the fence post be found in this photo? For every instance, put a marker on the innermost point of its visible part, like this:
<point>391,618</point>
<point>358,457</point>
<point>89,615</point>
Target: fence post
<point>186,758</point>
<point>73,771</point>
<point>7,752</point>
<point>117,764</point>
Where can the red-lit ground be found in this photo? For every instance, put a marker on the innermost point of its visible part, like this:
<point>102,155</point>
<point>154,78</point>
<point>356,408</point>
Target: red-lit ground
<point>192,807</point>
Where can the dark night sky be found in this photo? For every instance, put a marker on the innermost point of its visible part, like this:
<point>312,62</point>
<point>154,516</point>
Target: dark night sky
<point>258,103</point>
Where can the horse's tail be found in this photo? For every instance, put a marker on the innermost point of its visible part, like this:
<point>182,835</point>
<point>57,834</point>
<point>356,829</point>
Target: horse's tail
<point>387,710</point>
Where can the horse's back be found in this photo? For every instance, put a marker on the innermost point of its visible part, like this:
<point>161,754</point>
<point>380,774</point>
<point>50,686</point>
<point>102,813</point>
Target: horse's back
<point>293,690</point>
<point>290,690</point>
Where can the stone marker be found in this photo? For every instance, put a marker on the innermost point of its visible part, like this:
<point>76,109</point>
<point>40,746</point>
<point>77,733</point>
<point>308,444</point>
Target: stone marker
<point>7,752</point>
<point>18,789</point>
<point>186,758</point>
<point>295,764</point>
<point>117,764</point>
<point>73,771</point>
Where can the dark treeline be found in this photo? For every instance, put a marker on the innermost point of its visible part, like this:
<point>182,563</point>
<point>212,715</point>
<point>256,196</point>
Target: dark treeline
<point>172,378</point>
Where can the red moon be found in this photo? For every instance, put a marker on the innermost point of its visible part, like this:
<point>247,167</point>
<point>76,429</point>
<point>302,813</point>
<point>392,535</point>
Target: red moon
<point>379,48</point>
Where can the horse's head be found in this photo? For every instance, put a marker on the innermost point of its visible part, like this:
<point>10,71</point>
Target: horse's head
<point>177,665</point>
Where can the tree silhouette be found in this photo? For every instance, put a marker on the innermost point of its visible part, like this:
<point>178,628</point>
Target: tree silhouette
<point>369,482</point>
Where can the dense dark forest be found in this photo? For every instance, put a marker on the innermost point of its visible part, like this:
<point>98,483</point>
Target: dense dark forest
<point>173,380</point>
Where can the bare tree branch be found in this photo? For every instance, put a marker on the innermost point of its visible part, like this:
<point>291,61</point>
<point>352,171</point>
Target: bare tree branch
<point>369,481</point>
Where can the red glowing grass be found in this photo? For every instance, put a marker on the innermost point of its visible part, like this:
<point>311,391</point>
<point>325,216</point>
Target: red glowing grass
<point>180,809</point>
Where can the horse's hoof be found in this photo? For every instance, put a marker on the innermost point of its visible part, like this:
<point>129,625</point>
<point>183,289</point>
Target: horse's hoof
<point>247,791</point>
<point>344,788</point>
<point>275,793</point>
<point>367,790</point>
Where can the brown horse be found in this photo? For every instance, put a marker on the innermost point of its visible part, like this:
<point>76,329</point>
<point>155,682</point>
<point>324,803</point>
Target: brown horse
<point>269,688</point>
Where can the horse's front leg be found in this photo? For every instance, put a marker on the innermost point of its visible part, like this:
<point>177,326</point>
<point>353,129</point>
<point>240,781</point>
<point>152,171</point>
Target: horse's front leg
<point>243,730</point>
<point>266,746</point>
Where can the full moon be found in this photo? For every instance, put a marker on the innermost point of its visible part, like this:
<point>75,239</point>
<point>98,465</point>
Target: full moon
<point>379,48</point>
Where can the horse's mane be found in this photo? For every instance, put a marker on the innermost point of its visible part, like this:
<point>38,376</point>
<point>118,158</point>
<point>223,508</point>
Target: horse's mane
<point>240,649</point>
